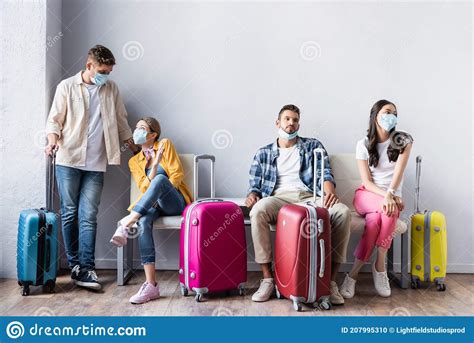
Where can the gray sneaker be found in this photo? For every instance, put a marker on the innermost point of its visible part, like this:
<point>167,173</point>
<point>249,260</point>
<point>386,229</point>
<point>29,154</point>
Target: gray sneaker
<point>336,297</point>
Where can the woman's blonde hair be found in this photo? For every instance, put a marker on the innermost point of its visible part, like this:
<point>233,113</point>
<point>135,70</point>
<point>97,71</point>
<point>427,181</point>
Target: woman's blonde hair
<point>154,126</point>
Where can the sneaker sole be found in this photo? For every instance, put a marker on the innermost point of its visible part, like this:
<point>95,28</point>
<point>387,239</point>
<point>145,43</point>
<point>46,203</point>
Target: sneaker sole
<point>144,302</point>
<point>347,296</point>
<point>337,303</point>
<point>89,285</point>
<point>261,300</point>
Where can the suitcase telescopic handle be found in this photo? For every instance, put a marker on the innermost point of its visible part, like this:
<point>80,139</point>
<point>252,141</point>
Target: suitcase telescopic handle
<point>315,181</point>
<point>322,265</point>
<point>417,184</point>
<point>197,158</point>
<point>50,182</point>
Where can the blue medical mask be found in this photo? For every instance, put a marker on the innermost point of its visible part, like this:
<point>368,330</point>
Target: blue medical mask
<point>99,79</point>
<point>139,136</point>
<point>287,136</point>
<point>388,121</point>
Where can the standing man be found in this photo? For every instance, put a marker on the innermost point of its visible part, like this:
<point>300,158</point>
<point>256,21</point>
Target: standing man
<point>86,126</point>
<point>282,173</point>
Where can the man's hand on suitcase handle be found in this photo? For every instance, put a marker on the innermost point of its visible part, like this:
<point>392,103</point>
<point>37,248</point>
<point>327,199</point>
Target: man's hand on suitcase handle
<point>251,200</point>
<point>52,144</point>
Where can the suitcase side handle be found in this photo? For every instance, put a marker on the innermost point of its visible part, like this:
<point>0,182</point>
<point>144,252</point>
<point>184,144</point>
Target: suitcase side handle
<point>417,186</point>
<point>197,158</point>
<point>48,254</point>
<point>208,200</point>
<point>322,265</point>
<point>315,181</point>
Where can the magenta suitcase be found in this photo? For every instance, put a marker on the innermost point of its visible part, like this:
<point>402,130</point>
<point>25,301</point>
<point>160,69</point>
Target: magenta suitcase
<point>213,251</point>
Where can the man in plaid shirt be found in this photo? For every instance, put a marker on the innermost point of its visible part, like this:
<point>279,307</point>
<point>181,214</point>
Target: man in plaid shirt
<point>282,173</point>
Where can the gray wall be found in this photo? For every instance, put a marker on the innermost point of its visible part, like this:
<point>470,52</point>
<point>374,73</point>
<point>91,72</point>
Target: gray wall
<point>223,70</point>
<point>28,75</point>
<point>216,73</point>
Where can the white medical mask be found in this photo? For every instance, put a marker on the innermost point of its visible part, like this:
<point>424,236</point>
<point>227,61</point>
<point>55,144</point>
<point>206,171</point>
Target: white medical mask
<point>139,136</point>
<point>287,136</point>
<point>99,79</point>
<point>388,121</point>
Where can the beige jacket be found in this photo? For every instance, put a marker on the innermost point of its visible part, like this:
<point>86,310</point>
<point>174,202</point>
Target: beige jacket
<point>69,116</point>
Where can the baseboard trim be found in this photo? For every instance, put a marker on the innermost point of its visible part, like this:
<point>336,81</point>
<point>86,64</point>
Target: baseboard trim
<point>457,268</point>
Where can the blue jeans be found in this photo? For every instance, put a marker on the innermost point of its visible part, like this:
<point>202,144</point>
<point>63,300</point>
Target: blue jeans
<point>160,199</point>
<point>80,192</point>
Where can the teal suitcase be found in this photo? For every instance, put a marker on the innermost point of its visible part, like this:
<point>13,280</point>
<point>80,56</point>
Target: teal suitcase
<point>37,245</point>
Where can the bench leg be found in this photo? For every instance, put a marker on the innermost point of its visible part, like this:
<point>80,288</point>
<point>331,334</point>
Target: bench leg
<point>125,266</point>
<point>404,280</point>
<point>390,270</point>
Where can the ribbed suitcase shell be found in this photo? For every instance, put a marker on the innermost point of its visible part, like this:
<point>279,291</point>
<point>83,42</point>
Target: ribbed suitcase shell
<point>37,249</point>
<point>213,252</point>
<point>303,255</point>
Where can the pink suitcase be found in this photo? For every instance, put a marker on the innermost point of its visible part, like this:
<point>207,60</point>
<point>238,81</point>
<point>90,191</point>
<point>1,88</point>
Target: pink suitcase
<point>213,254</point>
<point>303,252</point>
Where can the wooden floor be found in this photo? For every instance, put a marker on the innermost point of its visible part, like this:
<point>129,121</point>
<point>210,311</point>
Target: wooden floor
<point>70,300</point>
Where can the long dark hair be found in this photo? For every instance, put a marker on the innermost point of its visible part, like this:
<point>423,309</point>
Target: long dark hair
<point>399,140</point>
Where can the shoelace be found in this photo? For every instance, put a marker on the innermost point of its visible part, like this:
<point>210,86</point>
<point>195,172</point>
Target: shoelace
<point>385,284</point>
<point>143,287</point>
<point>76,270</point>
<point>266,284</point>
<point>92,274</point>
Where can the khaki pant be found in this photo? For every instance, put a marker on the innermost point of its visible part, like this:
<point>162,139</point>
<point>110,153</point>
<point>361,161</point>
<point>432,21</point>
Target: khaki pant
<point>265,211</point>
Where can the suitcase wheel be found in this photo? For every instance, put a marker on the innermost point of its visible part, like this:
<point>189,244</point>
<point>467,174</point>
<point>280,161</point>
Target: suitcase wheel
<point>198,297</point>
<point>241,291</point>
<point>297,306</point>
<point>440,286</point>
<point>49,286</point>
<point>415,283</point>
<point>277,292</point>
<point>184,291</point>
<point>25,291</point>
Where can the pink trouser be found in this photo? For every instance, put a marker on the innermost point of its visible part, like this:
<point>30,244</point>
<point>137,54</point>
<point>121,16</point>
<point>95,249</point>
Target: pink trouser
<point>379,228</point>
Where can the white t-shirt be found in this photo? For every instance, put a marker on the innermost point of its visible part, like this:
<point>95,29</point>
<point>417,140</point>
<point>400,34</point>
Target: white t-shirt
<point>96,156</point>
<point>382,174</point>
<point>288,170</point>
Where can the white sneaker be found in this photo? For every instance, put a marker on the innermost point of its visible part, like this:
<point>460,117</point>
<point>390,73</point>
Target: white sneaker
<point>336,297</point>
<point>381,283</point>
<point>347,288</point>
<point>265,290</point>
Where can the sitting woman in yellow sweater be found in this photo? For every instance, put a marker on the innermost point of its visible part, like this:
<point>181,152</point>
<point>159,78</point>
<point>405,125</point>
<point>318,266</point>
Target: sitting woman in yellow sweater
<point>159,175</point>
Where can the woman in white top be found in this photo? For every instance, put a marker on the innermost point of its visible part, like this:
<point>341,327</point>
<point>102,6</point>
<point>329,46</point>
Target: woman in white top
<point>381,158</point>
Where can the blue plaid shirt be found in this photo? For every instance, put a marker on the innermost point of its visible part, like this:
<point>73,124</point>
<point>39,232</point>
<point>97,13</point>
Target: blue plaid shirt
<point>263,171</point>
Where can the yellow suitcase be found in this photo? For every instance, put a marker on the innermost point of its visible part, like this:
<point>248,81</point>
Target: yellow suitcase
<point>429,248</point>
